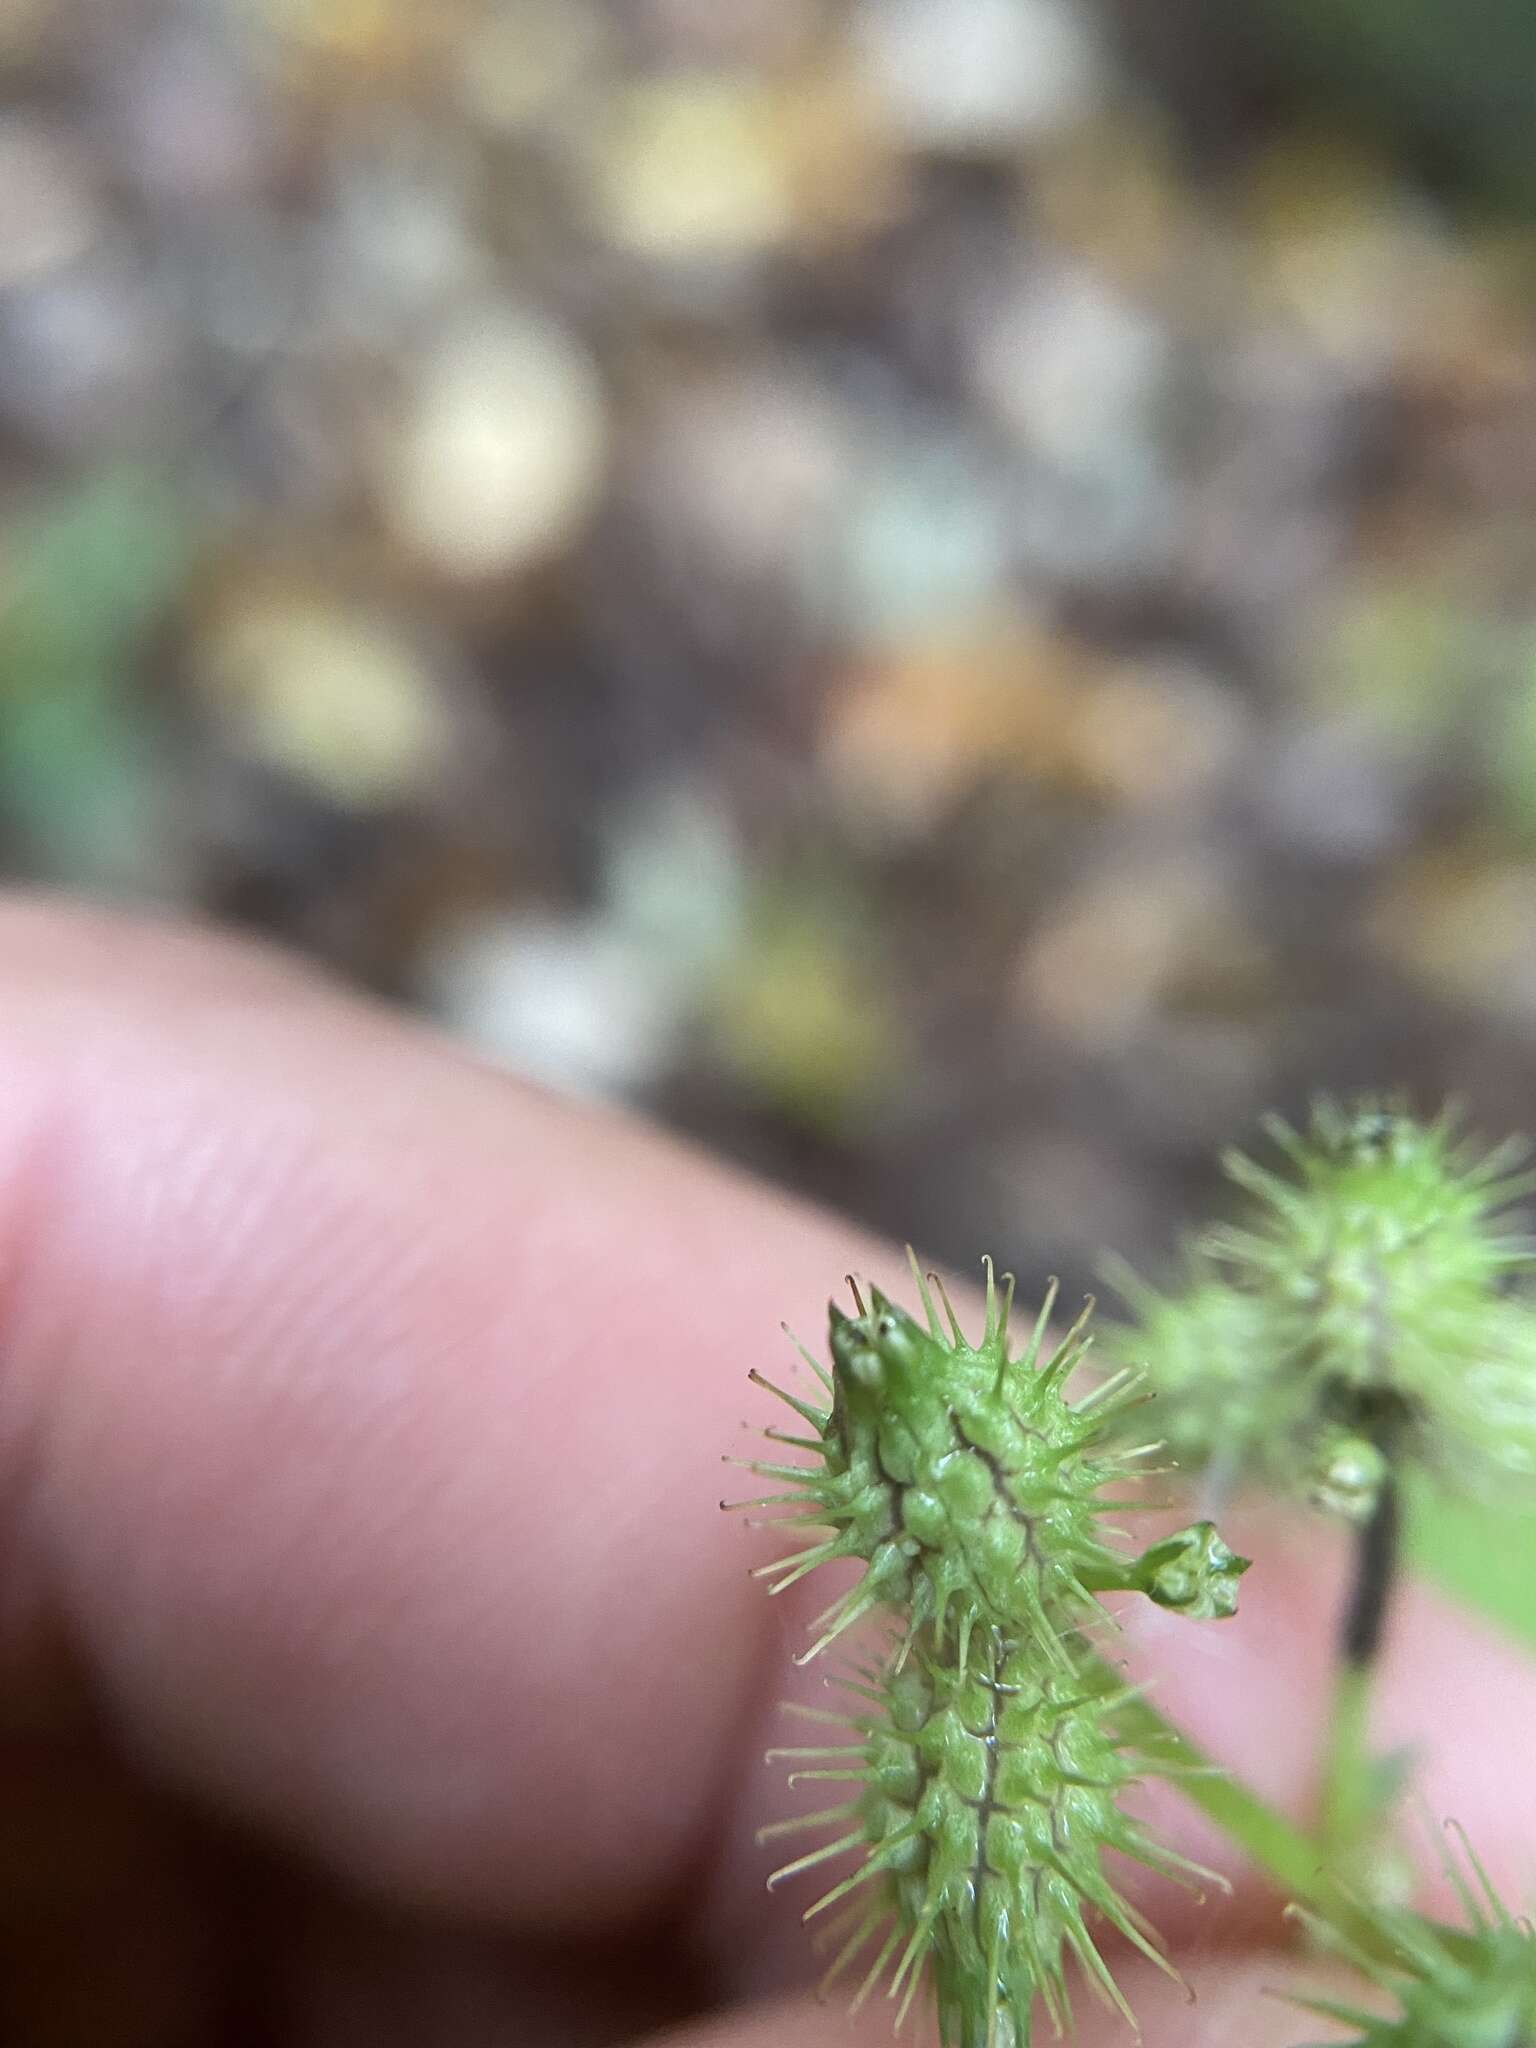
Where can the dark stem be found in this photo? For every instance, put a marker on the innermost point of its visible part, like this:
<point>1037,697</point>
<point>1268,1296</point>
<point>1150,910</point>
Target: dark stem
<point>1350,1797</point>
<point>1378,1544</point>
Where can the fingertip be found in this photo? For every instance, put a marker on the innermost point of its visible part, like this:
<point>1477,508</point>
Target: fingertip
<point>358,1414</point>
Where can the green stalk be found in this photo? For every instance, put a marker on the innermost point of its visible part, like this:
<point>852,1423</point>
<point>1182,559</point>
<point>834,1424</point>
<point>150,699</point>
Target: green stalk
<point>1275,1845</point>
<point>1292,1859</point>
<point>1346,1805</point>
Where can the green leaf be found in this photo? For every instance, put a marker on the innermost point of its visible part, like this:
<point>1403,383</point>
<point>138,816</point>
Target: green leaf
<point>1479,1553</point>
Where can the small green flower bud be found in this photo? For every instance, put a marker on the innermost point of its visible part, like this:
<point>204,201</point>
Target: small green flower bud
<point>1348,1475</point>
<point>1193,1572</point>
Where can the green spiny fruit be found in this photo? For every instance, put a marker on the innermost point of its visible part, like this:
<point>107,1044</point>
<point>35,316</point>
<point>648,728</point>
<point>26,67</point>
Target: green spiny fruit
<point>992,1759</point>
<point>987,1802</point>
<point>1360,1308</point>
<point>1379,1256</point>
<point>1472,1986</point>
<point>966,1481</point>
<point>1205,1353</point>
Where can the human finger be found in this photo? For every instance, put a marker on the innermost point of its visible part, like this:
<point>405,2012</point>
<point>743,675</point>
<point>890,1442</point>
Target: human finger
<point>360,1422</point>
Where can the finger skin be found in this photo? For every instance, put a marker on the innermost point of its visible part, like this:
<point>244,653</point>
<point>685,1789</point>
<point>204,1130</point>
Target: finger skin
<point>360,1417</point>
<point>362,1413</point>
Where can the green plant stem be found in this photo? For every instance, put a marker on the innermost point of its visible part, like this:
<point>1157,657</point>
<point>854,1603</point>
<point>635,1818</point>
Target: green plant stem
<point>1345,1816</point>
<point>1290,1857</point>
<point>1277,1846</point>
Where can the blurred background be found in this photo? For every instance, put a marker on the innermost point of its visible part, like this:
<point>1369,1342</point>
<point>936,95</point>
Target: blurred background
<point>941,593</point>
